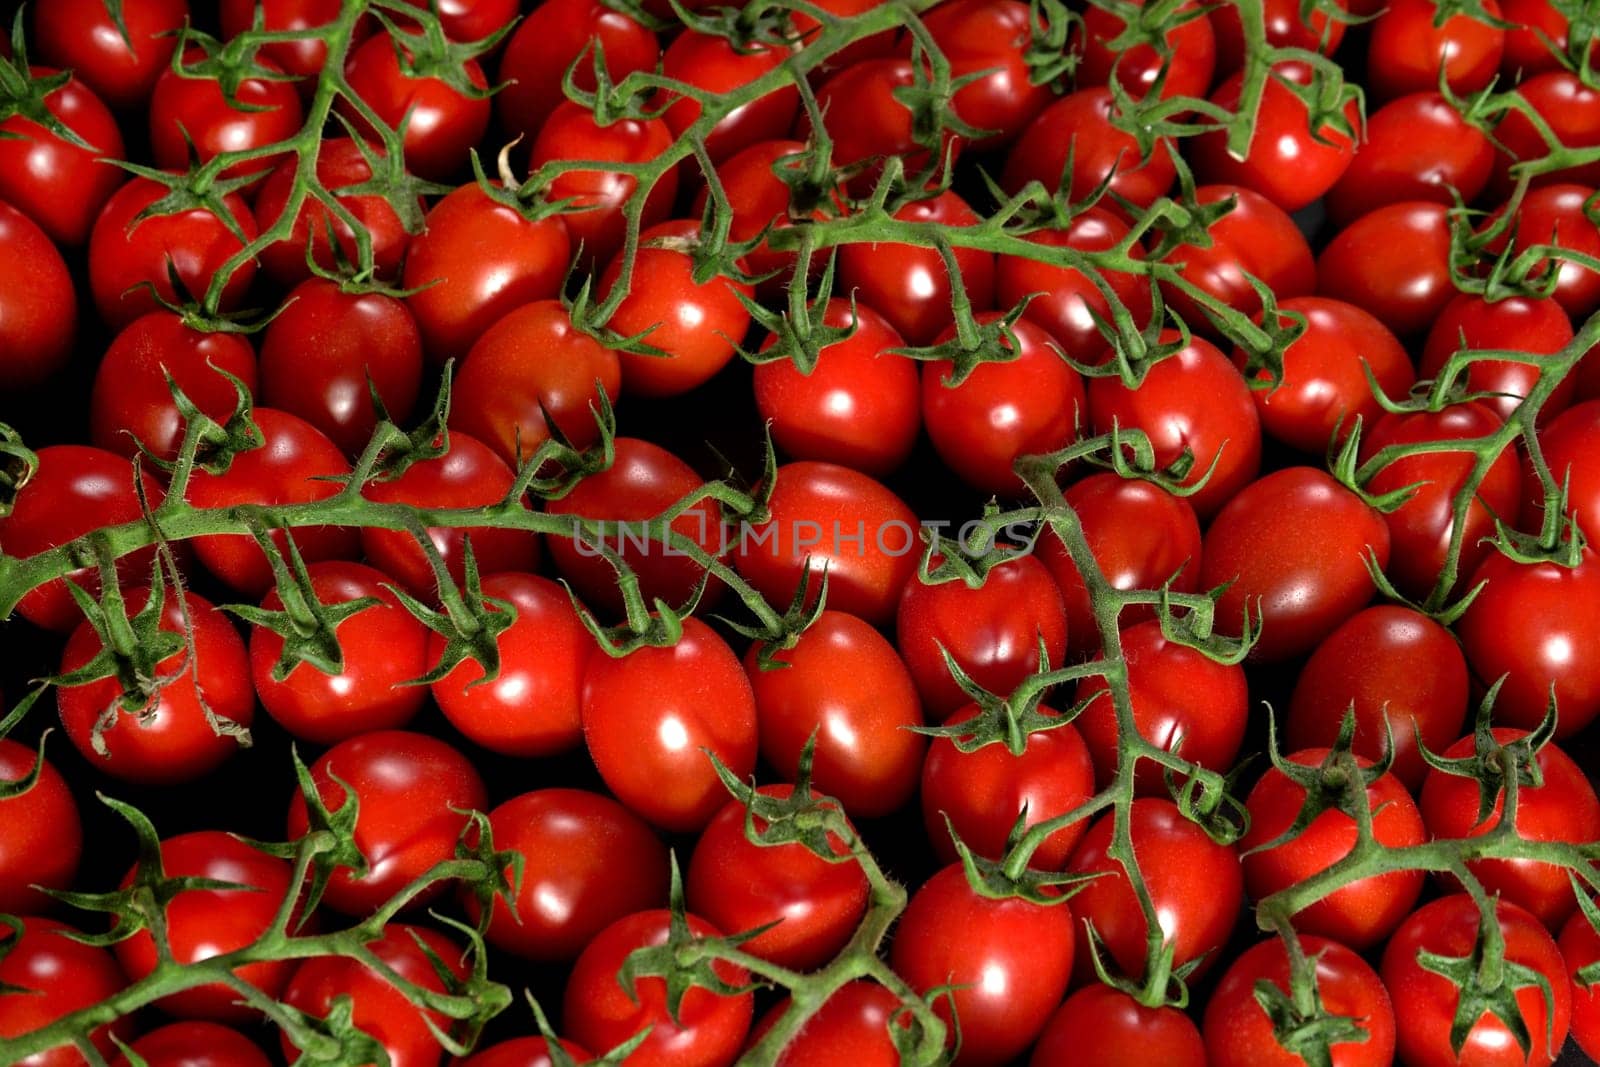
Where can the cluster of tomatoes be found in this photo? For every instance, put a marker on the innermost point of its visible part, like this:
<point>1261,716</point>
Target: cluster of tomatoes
<point>1045,255</point>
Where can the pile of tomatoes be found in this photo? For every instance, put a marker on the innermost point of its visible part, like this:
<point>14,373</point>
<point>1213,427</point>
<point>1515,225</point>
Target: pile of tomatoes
<point>821,532</point>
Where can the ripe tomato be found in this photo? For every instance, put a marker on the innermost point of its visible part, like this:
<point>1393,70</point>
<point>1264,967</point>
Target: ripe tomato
<point>291,467</point>
<point>202,923</point>
<point>1394,262</point>
<point>1192,401</point>
<point>715,64</point>
<point>544,45</point>
<point>650,716</point>
<point>1362,913</point>
<point>1388,662</point>
<point>326,346</point>
<point>38,305</point>
<point>1557,215</point>
<point>1287,162</point>
<point>643,480</point>
<point>1107,1027</point>
<point>303,57</point>
<point>1580,948</point>
<point>1065,300</point>
<point>990,39</point>
<point>59,975</point>
<point>383,647</point>
<point>1324,387</point>
<point>1417,148</point>
<point>1409,45</point>
<point>1256,238</point>
<point>523,1052</point>
<point>759,196</point>
<point>483,260</point>
<point>1421,527</point>
<point>466,21</point>
<point>413,791</point>
<point>1195,883</point>
<point>1294,545</point>
<point>532,707</point>
<point>378,1008</point>
<point>84,36</point>
<point>571,133</point>
<point>1569,109</point>
<point>169,739</point>
<point>1561,807</point>
<point>1030,404</point>
<point>1183,67</point>
<point>193,120</point>
<point>1537,38</point>
<point>740,885</point>
<point>588,862</point>
<point>843,682</point>
<point>993,631</point>
<point>1567,446</point>
<point>1563,614</point>
<point>1182,701</point>
<point>1009,961</point>
<point>858,407</point>
<point>193,243</point>
<point>1239,1032</point>
<point>61,186</point>
<point>1141,536</point>
<point>1535,325</point>
<point>984,792</point>
<point>708,1029</point>
<point>825,516</point>
<point>442,123</point>
<point>1077,129</point>
<point>43,838</point>
<point>132,403</point>
<point>1427,1001</point>
<point>1285,26</point>
<point>867,121</point>
<point>910,285</point>
<point>696,326</point>
<point>852,1026</point>
<point>340,163</point>
<point>195,1044</point>
<point>469,475</point>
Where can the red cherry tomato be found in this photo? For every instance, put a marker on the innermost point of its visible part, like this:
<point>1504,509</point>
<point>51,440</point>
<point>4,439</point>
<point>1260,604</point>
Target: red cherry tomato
<point>716,65</point>
<point>1183,66</point>
<point>303,57</point>
<point>61,186</point>
<point>1409,45</point>
<point>1537,326</point>
<point>412,790</point>
<point>1537,39</point>
<point>868,122</point>
<point>852,1026</point>
<point>989,38</point>
<point>759,197</point>
<point>1557,215</point>
<point>84,36</point>
<point>545,44</point>
<point>43,836</point>
<point>195,1044</point>
<point>170,739</point>
<point>442,122</point>
<point>1569,110</point>
<point>58,975</point>
<point>1394,262</point>
<point>1285,27</point>
<point>1256,238</point>
<point>1580,948</point>
<point>1107,1027</point>
<point>192,119</point>
<point>1079,126</point>
<point>341,162</point>
<point>38,305</point>
<point>1568,447</point>
<point>1417,148</point>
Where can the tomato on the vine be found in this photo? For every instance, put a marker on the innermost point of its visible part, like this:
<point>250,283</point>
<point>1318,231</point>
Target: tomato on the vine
<point>60,185</point>
<point>1108,1028</point>
<point>194,118</point>
<point>989,41</point>
<point>851,1026</point>
<point>441,121</point>
<point>1417,147</point>
<point>545,44</point>
<point>118,52</point>
<point>57,975</point>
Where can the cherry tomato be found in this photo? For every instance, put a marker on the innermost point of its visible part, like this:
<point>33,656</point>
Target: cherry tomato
<point>1239,1032</point>
<point>991,39</point>
<point>1194,882</point>
<point>1078,127</point>
<point>192,119</point>
<point>84,36</point>
<point>341,162</point>
<point>1427,1001</point>
<point>1285,26</point>
<point>38,305</point>
<point>532,707</point>
<point>545,44</point>
<point>1567,444</point>
<point>1394,262</point>
<point>653,718</point>
<point>867,121</point>
<point>1580,948</point>
<point>412,790</point>
<point>1561,807</point>
<point>1537,38</point>
<point>483,260</point>
<point>303,57</point>
<point>195,1044</point>
<point>43,837</point>
<point>61,186</point>
<point>852,1026</point>
<point>202,923</point>
<point>469,475</point>
<point>1142,537</point>
<point>755,184</point>
<point>1537,326</point>
<point>1009,961</point>
<point>467,21</point>
<point>1362,913</point>
<point>843,682</point>
<point>1569,110</point>
<point>132,404</point>
<point>825,516</point>
<point>1183,66</point>
<point>1409,45</point>
<point>1557,215</point>
<point>292,466</point>
<point>1390,663</point>
<point>1295,546</point>
<point>442,122</point>
<point>1027,405</point>
<point>1417,148</point>
<point>530,367</point>
<point>170,739</point>
<point>377,1008</point>
<point>983,792</point>
<point>193,243</point>
<point>383,648</point>
<point>1107,1027</point>
<point>1256,238</point>
<point>58,975</point>
<point>1324,387</point>
<point>1193,401</point>
<point>1563,614</point>
<point>588,862</point>
<point>327,346</point>
<point>708,1029</point>
<point>1182,701</point>
<point>715,64</point>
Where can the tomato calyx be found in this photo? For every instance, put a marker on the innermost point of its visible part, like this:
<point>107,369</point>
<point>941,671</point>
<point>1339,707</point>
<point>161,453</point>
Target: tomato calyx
<point>470,622</point>
<point>1339,783</point>
<point>334,1037</point>
<point>427,52</point>
<point>18,463</point>
<point>751,28</point>
<point>803,817</point>
<point>782,633</point>
<point>22,93</point>
<point>974,343</point>
<point>1501,769</point>
<point>228,64</point>
<point>1301,1024</point>
<point>1004,879</point>
<point>801,332</point>
<point>1049,60</point>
